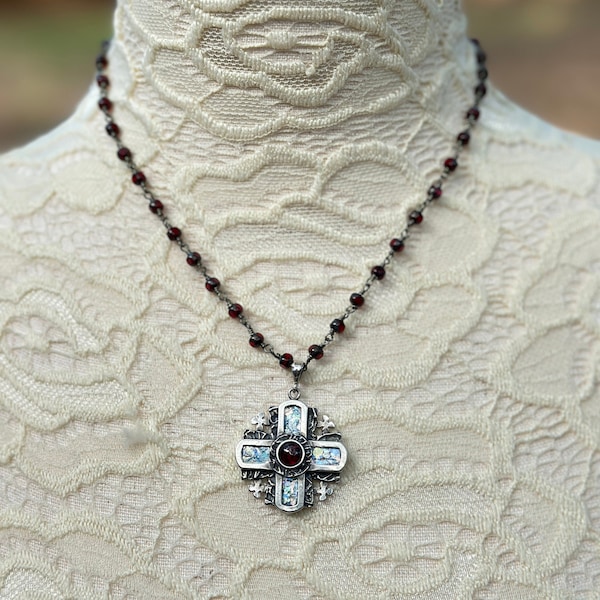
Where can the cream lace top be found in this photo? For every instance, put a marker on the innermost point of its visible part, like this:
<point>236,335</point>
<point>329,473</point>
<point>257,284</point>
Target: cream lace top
<point>289,140</point>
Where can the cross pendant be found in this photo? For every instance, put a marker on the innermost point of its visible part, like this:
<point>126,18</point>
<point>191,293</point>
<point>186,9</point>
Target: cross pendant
<point>290,456</point>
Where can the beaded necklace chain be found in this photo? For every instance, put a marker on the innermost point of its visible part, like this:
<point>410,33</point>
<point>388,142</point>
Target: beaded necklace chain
<point>283,454</point>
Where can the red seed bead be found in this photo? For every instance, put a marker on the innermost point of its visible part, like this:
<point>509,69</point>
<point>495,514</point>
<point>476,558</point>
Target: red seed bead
<point>435,192</point>
<point>357,299</point>
<point>212,283</point>
<point>378,271</point>
<point>256,339</point>
<point>105,104</point>
<point>101,62</point>
<point>124,153</point>
<point>473,113</point>
<point>102,81</point>
<point>112,129</point>
<point>450,164</point>
<point>138,178</point>
<point>192,259</point>
<point>235,310</point>
<point>173,233</point>
<point>481,56</point>
<point>481,90</point>
<point>463,138</point>
<point>482,74</point>
<point>286,360</point>
<point>155,205</point>
<point>316,351</point>
<point>397,245</point>
<point>415,217</point>
<point>338,325</point>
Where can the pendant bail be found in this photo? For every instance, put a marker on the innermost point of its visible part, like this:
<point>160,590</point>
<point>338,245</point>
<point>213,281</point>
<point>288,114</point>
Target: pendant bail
<point>297,371</point>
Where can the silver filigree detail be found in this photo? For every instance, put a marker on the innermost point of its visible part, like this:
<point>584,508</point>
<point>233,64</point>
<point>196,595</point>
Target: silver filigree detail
<point>258,421</point>
<point>323,490</point>
<point>326,424</point>
<point>257,488</point>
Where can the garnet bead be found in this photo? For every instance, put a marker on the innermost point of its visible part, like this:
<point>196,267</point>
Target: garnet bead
<point>124,153</point>
<point>316,351</point>
<point>173,233</point>
<point>155,205</point>
<point>357,299</point>
<point>138,178</point>
<point>435,192</point>
<point>450,164</point>
<point>338,325</point>
<point>378,271</point>
<point>105,104</point>
<point>415,217</point>
<point>112,129</point>
<point>397,245</point>
<point>480,90</point>
<point>235,310</point>
<point>290,454</point>
<point>212,283</point>
<point>101,62</point>
<point>473,113</point>
<point>463,138</point>
<point>286,360</point>
<point>482,74</point>
<point>481,56</point>
<point>102,81</point>
<point>192,259</point>
<point>256,339</point>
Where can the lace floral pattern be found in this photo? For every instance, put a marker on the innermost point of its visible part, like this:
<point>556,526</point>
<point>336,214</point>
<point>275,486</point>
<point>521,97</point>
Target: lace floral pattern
<point>466,388</point>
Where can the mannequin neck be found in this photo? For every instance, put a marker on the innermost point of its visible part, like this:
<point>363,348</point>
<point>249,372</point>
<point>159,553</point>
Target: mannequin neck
<point>241,72</point>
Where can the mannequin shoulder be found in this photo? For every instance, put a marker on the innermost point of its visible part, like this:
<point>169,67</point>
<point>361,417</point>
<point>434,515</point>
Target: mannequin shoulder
<point>518,151</point>
<point>56,165</point>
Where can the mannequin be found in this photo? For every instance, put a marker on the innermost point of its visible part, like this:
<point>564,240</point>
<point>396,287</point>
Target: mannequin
<point>289,140</point>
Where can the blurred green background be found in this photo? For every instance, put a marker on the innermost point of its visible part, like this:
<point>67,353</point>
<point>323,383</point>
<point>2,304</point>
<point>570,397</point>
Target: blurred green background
<point>544,54</point>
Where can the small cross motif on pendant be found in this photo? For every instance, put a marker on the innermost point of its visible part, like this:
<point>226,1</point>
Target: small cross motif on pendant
<point>259,420</point>
<point>326,424</point>
<point>323,490</point>
<point>257,488</point>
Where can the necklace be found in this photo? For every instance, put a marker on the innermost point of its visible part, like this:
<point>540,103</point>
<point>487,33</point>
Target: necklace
<point>284,454</point>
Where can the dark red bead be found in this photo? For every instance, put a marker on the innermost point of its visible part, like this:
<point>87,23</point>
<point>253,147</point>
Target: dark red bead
<point>212,283</point>
<point>173,233</point>
<point>481,90</point>
<point>192,259</point>
<point>357,299</point>
<point>397,245</point>
<point>450,164</point>
<point>482,74</point>
<point>101,62</point>
<point>155,205</point>
<point>235,310</point>
<point>112,129</point>
<point>338,325</point>
<point>138,178</point>
<point>481,56</point>
<point>415,217</point>
<point>378,271</point>
<point>473,113</point>
<point>286,360</point>
<point>256,339</point>
<point>463,138</point>
<point>105,104</point>
<point>316,351</point>
<point>435,192</point>
<point>102,81</point>
<point>290,454</point>
<point>124,153</point>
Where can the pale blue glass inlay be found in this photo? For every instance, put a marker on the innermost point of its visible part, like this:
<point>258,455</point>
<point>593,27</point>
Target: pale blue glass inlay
<point>255,454</point>
<point>289,491</point>
<point>291,421</point>
<point>322,456</point>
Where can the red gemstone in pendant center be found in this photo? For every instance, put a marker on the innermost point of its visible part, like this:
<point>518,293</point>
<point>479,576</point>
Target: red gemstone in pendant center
<point>290,454</point>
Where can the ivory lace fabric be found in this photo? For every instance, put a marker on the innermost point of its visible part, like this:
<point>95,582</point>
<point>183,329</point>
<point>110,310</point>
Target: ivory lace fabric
<point>289,140</point>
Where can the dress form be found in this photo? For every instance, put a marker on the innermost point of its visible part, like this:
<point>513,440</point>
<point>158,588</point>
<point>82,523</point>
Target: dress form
<point>290,143</point>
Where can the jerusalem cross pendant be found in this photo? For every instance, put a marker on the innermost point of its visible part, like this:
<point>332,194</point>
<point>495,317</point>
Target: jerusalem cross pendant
<point>285,457</point>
